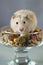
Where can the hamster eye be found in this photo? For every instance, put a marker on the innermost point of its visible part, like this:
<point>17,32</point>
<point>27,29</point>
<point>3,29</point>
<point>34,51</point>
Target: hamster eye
<point>24,22</point>
<point>16,22</point>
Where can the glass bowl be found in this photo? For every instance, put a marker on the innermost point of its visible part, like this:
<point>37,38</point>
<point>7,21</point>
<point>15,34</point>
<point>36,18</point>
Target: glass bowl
<point>21,49</point>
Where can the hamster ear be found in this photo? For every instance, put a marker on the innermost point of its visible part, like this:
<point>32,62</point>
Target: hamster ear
<point>31,15</point>
<point>26,17</point>
<point>13,16</point>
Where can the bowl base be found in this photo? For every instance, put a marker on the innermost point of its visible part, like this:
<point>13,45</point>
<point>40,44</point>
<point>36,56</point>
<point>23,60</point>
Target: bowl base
<point>29,63</point>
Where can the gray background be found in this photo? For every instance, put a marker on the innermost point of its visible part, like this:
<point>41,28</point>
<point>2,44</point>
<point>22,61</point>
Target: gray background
<point>7,7</point>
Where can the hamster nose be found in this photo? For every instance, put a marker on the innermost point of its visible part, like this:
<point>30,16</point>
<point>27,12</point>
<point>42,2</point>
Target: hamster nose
<point>21,29</point>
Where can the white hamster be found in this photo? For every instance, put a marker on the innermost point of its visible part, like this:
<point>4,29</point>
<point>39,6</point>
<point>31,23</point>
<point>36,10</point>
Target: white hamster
<point>23,21</point>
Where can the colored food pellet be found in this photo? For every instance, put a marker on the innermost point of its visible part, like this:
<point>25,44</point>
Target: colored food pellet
<point>24,39</point>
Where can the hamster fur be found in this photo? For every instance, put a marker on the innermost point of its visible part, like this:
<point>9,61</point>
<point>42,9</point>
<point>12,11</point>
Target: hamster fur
<point>23,21</point>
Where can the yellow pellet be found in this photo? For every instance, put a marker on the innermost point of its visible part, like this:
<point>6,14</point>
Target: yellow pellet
<point>39,35</point>
<point>37,30</point>
<point>15,40</point>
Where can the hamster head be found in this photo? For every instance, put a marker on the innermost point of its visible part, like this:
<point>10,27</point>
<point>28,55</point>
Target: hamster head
<point>23,21</point>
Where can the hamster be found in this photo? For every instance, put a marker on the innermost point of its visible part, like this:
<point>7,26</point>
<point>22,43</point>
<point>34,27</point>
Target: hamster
<point>23,21</point>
